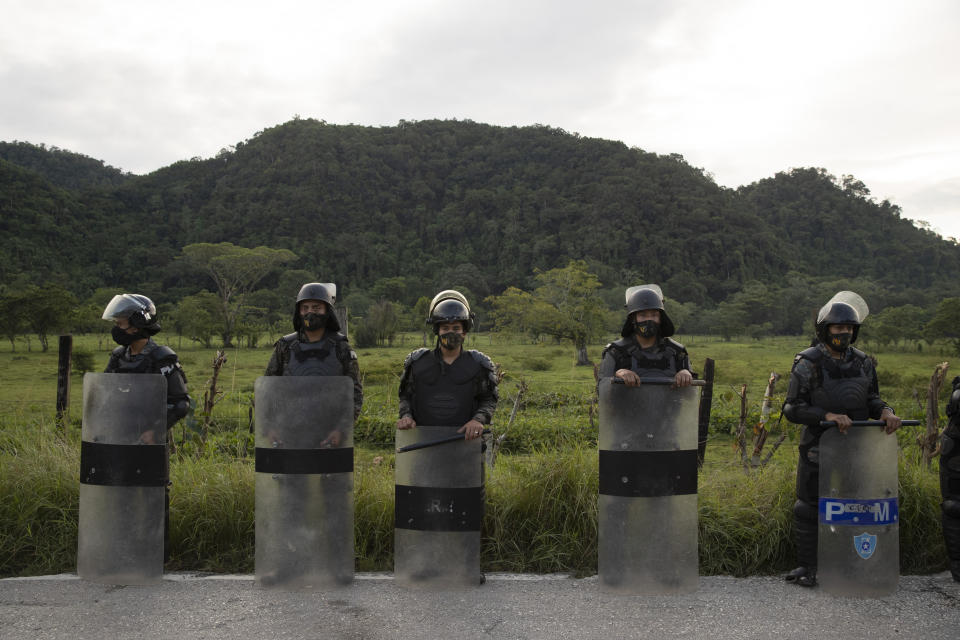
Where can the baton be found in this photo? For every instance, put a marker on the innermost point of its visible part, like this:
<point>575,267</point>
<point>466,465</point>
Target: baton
<point>433,443</point>
<point>662,381</point>
<point>870,423</point>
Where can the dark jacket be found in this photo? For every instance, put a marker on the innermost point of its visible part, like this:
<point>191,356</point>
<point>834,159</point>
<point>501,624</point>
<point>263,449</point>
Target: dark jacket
<point>485,391</point>
<point>344,354</point>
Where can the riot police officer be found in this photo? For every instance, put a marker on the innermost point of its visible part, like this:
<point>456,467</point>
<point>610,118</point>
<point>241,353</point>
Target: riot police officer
<point>448,385</point>
<point>316,348</point>
<point>646,348</point>
<point>135,323</point>
<point>835,382</point>
<point>304,500</point>
<point>950,481</point>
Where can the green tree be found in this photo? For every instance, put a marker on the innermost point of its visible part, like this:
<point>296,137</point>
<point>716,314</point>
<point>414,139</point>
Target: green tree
<point>48,309</point>
<point>945,323</point>
<point>392,289</point>
<point>252,324</point>
<point>12,317</point>
<point>196,317</point>
<point>727,320</point>
<point>235,271</point>
<point>896,324</point>
<point>566,305</point>
<point>384,319</point>
<point>418,318</point>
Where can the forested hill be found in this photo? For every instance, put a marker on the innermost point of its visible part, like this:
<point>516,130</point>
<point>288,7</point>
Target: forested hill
<point>447,203</point>
<point>64,169</point>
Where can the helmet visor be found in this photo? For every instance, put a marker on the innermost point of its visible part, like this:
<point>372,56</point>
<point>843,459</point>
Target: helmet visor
<point>633,290</point>
<point>848,298</point>
<point>123,306</point>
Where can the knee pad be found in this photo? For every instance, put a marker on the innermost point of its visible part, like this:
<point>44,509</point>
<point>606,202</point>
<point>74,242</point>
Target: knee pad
<point>805,511</point>
<point>947,446</point>
<point>950,478</point>
<point>951,508</point>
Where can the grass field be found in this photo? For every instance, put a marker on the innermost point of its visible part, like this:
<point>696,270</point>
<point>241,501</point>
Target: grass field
<point>541,512</point>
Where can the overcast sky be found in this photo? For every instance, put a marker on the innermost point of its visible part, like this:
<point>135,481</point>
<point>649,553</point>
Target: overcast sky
<point>742,88</point>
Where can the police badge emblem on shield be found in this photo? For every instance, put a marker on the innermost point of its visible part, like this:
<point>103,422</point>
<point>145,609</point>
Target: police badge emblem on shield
<point>865,544</point>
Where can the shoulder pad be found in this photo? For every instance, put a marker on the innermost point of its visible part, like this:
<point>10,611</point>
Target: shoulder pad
<point>413,356</point>
<point>953,406</point>
<point>344,350</point>
<point>860,355</point>
<point>813,354</point>
<point>118,351</point>
<point>163,353</point>
<point>482,359</point>
<point>290,337</point>
<point>619,345</point>
<point>676,345</point>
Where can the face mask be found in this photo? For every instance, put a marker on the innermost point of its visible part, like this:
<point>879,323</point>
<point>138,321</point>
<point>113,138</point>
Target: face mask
<point>839,341</point>
<point>450,341</point>
<point>121,337</point>
<point>647,328</point>
<point>313,321</point>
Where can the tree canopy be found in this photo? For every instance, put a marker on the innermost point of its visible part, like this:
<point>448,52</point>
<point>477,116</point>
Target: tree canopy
<point>396,213</point>
<point>235,271</point>
<point>565,305</point>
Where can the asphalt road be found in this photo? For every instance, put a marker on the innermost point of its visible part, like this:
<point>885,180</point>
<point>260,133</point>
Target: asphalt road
<point>188,606</point>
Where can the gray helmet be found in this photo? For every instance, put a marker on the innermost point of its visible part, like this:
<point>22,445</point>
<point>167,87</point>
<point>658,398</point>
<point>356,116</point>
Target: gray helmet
<point>640,298</point>
<point>846,307</point>
<point>139,310</point>
<point>323,291</point>
<point>450,306</point>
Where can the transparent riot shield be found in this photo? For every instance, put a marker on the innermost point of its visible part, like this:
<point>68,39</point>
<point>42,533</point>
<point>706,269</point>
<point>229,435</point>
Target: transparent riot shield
<point>123,474</point>
<point>438,510</point>
<point>647,515</point>
<point>304,481</point>
<point>859,533</point>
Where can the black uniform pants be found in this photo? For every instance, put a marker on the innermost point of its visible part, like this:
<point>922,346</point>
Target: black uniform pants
<point>805,510</point>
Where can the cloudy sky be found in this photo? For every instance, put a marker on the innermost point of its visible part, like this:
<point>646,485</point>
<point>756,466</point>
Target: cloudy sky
<point>741,88</point>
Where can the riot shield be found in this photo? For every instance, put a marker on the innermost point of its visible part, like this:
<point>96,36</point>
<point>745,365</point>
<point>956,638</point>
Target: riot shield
<point>647,515</point>
<point>438,510</point>
<point>859,534</point>
<point>304,481</point>
<point>123,473</point>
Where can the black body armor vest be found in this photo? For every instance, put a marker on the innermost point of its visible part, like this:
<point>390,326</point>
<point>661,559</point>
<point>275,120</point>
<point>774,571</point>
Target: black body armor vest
<point>144,362</point>
<point>653,364</point>
<point>844,386</point>
<point>444,394</point>
<point>313,359</point>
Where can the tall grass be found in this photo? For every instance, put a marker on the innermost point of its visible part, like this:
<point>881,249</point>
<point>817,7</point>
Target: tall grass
<point>541,496</point>
<point>39,494</point>
<point>212,514</point>
<point>541,512</point>
<point>541,508</point>
<point>746,519</point>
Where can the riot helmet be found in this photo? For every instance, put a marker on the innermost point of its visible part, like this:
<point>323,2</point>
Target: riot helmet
<point>324,292</point>
<point>846,307</point>
<point>139,311</point>
<point>640,298</point>
<point>450,306</point>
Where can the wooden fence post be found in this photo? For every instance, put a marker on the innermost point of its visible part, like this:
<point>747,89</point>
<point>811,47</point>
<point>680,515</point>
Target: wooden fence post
<point>928,441</point>
<point>706,402</point>
<point>760,431</point>
<point>63,379</point>
<point>742,427</point>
